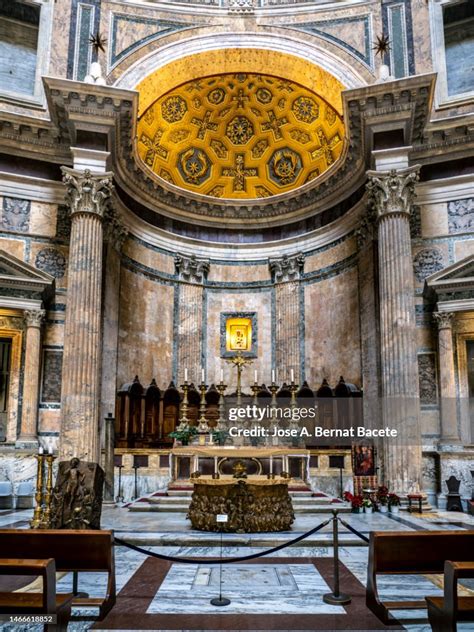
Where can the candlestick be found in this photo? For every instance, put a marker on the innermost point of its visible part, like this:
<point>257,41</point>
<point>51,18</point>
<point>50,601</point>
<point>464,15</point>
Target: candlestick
<point>46,517</point>
<point>221,425</point>
<point>50,449</point>
<point>203,426</point>
<point>38,512</point>
<point>183,420</point>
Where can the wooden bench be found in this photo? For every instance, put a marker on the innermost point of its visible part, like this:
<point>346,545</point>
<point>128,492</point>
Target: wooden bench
<point>411,553</point>
<point>444,613</point>
<point>72,550</point>
<point>45,603</point>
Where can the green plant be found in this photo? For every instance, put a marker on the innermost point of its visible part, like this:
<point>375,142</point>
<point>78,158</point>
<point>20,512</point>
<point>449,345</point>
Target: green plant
<point>183,434</point>
<point>367,503</point>
<point>219,436</point>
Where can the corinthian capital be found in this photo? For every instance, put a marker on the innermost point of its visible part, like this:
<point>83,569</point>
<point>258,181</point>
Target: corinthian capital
<point>87,193</point>
<point>443,319</point>
<point>190,269</point>
<point>34,317</point>
<point>287,268</point>
<point>392,191</point>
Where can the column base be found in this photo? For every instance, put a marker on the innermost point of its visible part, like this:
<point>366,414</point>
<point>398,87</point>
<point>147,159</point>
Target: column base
<point>450,444</point>
<point>27,443</point>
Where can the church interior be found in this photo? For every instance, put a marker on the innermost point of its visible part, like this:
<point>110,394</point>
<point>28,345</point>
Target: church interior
<point>237,315</point>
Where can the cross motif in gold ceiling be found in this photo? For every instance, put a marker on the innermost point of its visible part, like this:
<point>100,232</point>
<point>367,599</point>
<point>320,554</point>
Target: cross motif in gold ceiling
<point>204,124</point>
<point>239,172</point>
<point>274,124</point>
<point>154,147</point>
<point>326,147</point>
<point>241,98</point>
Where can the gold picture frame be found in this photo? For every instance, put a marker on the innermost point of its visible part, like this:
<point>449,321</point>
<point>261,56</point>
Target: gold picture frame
<point>238,335</point>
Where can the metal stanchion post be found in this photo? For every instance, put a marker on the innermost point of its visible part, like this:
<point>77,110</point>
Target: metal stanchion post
<point>336,598</point>
<point>220,601</point>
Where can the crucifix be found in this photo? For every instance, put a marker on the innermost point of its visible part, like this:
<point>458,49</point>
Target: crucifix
<point>239,361</point>
<point>239,173</point>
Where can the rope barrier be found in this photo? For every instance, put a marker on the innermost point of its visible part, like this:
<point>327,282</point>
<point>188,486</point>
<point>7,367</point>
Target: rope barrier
<point>227,560</point>
<point>354,531</point>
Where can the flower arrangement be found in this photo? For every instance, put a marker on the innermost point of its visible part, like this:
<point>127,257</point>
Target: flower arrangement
<point>367,503</point>
<point>382,495</point>
<point>219,436</point>
<point>183,434</point>
<point>393,500</point>
<point>356,501</point>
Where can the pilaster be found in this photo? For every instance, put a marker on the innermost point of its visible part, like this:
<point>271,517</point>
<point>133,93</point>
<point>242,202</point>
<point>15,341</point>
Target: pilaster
<point>447,380</point>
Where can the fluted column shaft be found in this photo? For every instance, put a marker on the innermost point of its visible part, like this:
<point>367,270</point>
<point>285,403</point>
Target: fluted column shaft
<point>447,382</point>
<point>80,398</point>
<point>29,416</point>
<point>391,194</point>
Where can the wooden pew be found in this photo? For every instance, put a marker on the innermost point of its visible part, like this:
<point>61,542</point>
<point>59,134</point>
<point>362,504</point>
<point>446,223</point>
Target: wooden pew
<point>45,603</point>
<point>444,613</point>
<point>72,550</point>
<point>411,553</point>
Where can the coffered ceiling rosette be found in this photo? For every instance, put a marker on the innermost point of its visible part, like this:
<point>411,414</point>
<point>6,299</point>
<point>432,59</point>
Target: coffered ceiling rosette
<point>239,135</point>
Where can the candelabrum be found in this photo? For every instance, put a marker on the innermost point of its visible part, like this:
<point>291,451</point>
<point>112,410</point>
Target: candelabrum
<point>274,421</point>
<point>221,422</point>
<point>38,512</point>
<point>48,496</point>
<point>203,426</point>
<point>183,419</point>
<point>294,425</point>
<point>255,388</point>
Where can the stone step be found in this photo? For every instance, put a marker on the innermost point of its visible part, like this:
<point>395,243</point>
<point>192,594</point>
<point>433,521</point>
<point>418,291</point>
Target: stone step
<point>183,508</point>
<point>254,540</point>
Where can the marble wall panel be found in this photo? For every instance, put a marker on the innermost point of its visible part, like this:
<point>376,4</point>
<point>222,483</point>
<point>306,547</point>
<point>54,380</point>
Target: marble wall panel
<point>49,420</point>
<point>17,468</point>
<point>60,40</point>
<point>242,301</point>
<point>149,257</point>
<point>461,215</point>
<point>330,256</point>
<point>239,273</point>
<point>434,219</point>
<point>430,424</point>
<point>332,332</point>
<point>15,214</point>
<point>15,247</point>
<point>43,219</point>
<point>463,249</point>
<point>53,333</point>
<point>145,330</point>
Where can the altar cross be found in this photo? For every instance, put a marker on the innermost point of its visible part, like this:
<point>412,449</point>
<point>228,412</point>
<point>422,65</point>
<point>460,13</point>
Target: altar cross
<point>325,150</point>
<point>154,147</point>
<point>274,124</point>
<point>204,124</point>
<point>239,172</point>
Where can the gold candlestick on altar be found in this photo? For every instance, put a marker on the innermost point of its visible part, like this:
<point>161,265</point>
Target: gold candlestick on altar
<point>202,421</point>
<point>221,422</point>
<point>183,420</point>
<point>48,497</point>
<point>293,389</point>
<point>239,361</point>
<point>255,390</point>
<point>38,512</point>
<point>274,421</point>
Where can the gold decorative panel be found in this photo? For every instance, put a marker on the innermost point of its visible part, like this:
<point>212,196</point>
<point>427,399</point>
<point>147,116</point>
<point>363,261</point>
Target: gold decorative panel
<point>240,135</point>
<point>238,334</point>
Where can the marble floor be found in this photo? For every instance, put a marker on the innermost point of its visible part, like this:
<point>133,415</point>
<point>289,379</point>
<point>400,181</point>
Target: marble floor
<point>278,584</point>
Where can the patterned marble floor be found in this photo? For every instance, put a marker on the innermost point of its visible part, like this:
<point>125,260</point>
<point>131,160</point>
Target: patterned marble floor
<point>291,587</point>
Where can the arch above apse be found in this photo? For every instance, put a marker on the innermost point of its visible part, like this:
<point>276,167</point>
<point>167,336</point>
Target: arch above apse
<point>313,49</point>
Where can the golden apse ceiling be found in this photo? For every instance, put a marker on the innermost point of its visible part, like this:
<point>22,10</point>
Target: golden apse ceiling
<point>240,136</point>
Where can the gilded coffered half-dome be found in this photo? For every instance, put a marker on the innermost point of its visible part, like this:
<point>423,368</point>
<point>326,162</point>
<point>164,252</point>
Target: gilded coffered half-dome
<point>240,135</point>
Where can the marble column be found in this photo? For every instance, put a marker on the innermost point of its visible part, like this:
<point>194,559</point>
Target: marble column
<point>31,372</point>
<point>447,383</point>
<point>390,195</point>
<point>88,197</point>
<point>286,273</point>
